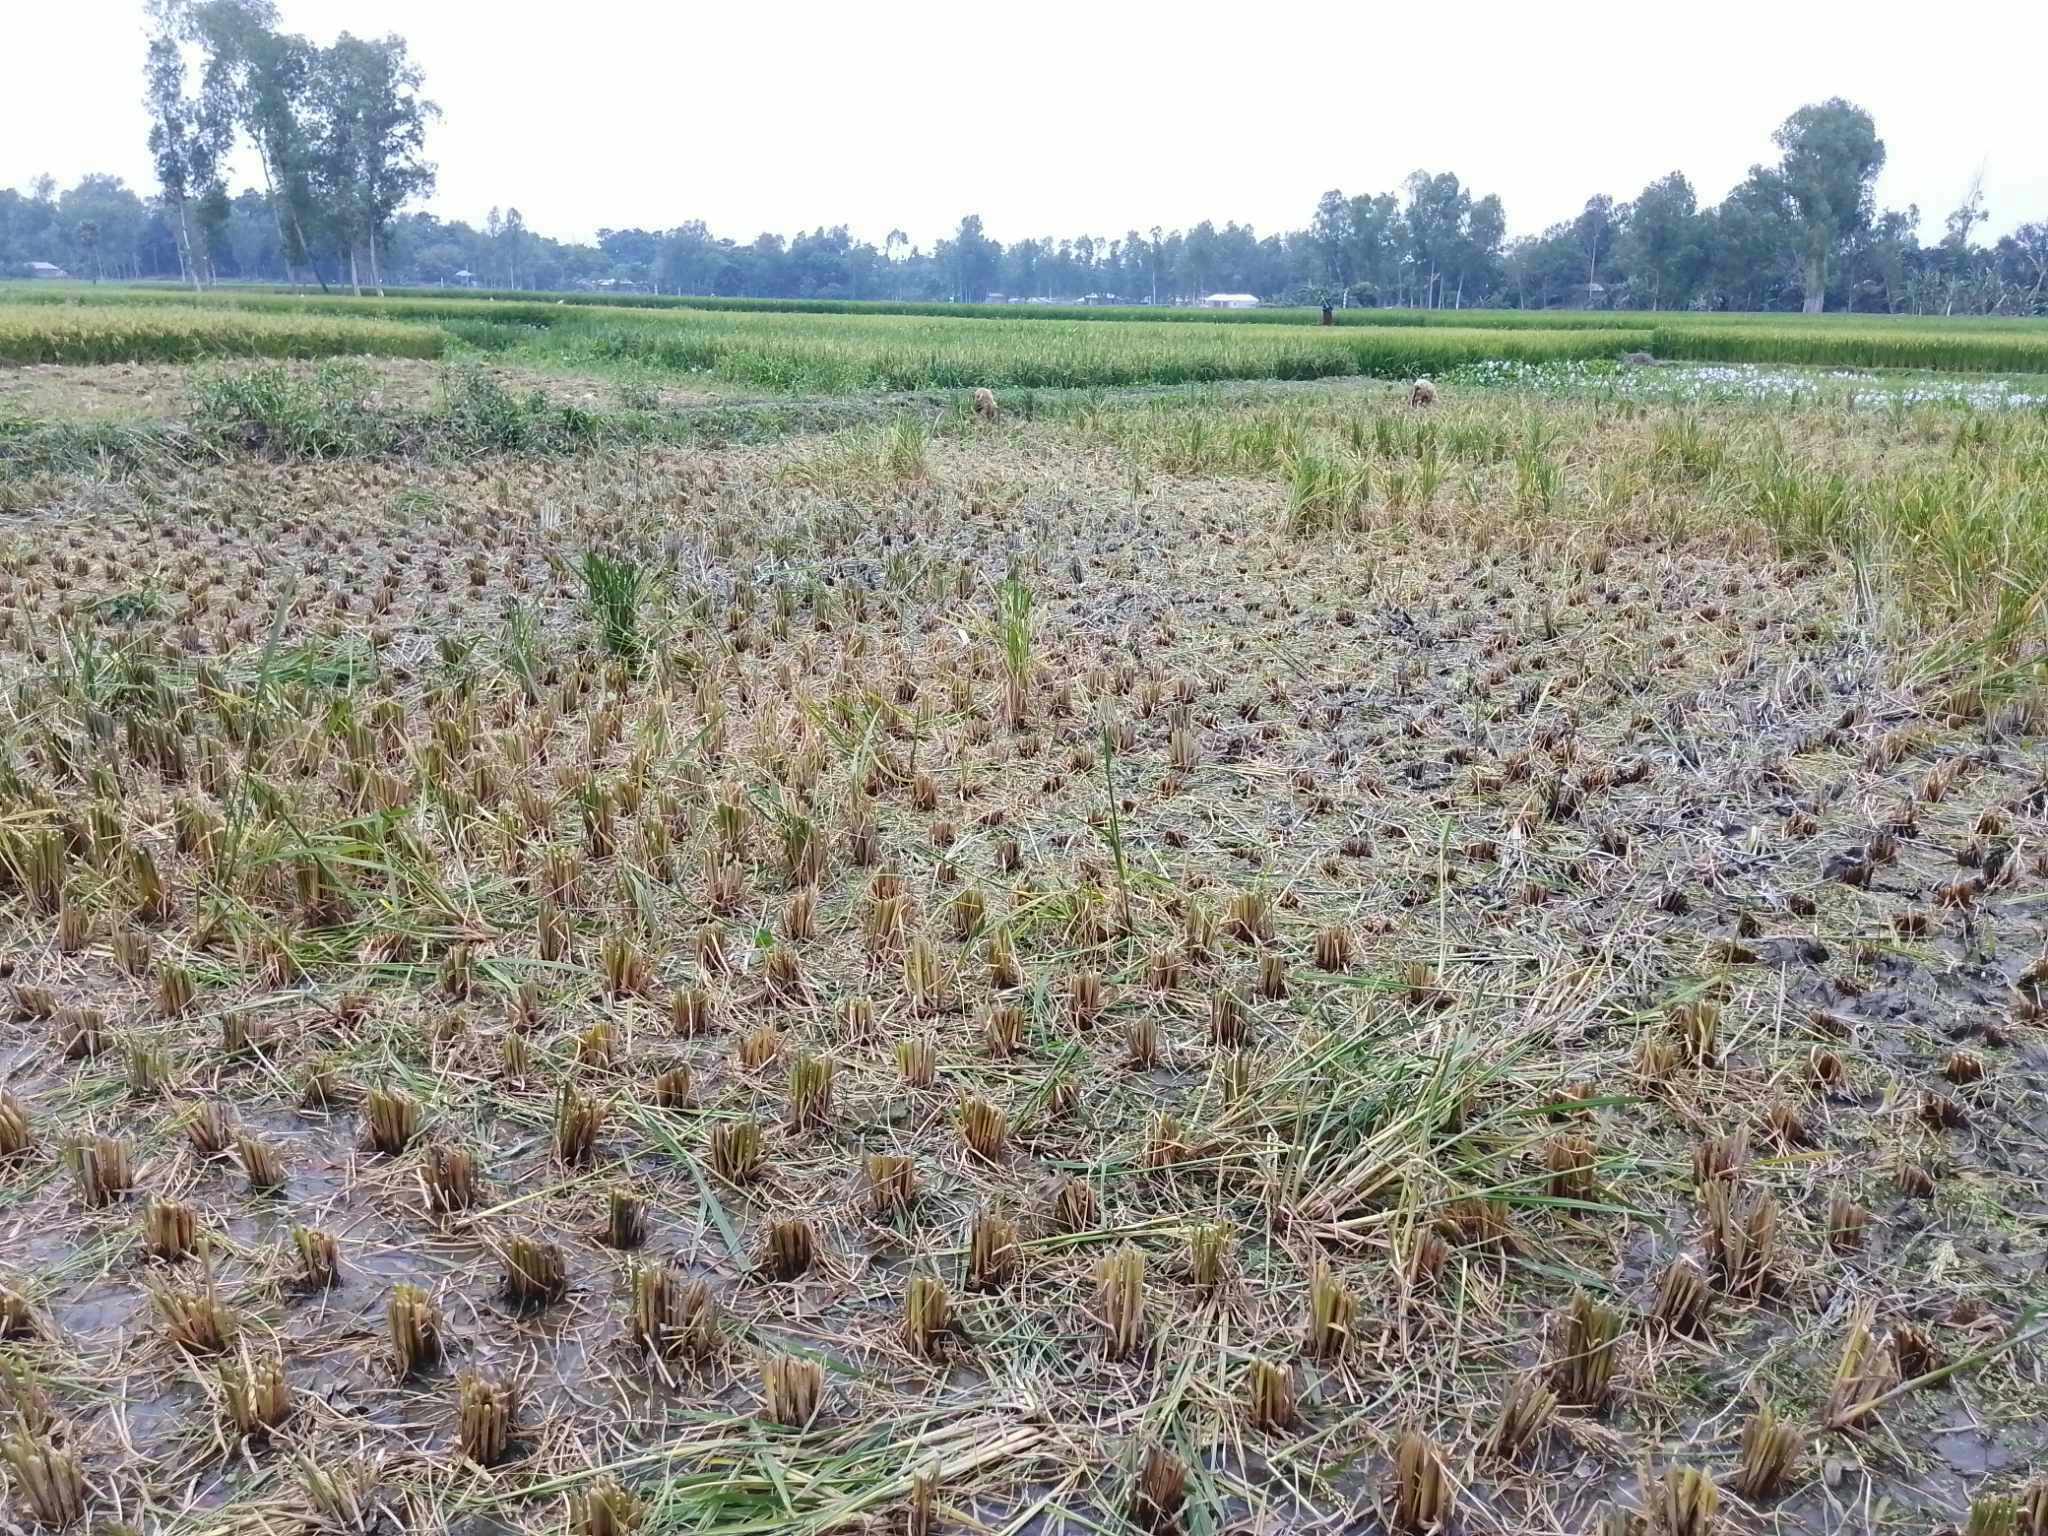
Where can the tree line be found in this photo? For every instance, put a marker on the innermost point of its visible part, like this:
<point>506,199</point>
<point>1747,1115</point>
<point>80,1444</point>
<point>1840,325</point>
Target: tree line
<point>339,133</point>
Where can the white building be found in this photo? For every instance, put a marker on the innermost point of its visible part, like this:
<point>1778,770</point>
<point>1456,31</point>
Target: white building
<point>1231,301</point>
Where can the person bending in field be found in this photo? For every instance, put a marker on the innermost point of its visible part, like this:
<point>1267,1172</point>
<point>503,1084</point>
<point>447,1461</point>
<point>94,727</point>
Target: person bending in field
<point>1422,393</point>
<point>985,404</point>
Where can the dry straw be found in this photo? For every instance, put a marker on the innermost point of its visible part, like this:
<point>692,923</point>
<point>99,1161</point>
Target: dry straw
<point>413,1321</point>
<point>47,1481</point>
<point>792,1389</point>
<point>485,1412</point>
<point>1120,1302</point>
<point>254,1388</point>
<point>1423,1492</point>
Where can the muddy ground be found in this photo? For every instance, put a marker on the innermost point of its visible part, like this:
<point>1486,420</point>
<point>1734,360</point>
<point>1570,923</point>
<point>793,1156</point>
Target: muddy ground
<point>1457,901</point>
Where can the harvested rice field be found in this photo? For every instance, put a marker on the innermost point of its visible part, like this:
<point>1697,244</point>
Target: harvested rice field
<point>1210,963</point>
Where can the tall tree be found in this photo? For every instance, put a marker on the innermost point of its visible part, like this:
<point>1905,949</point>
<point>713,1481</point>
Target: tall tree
<point>1661,244</point>
<point>1438,208</point>
<point>250,242</point>
<point>632,253</point>
<point>1544,268</point>
<point>187,139</point>
<point>1881,264</point>
<point>263,80</point>
<point>1201,257</point>
<point>972,262</point>
<point>87,235</point>
<point>1969,213</point>
<point>1374,243</point>
<point>508,237</point>
<point>1486,231</point>
<point>1831,157</point>
<point>1595,229</point>
<point>372,125</point>
<point>95,226</point>
<point>1957,253</point>
<point>1329,232</point>
<point>1753,245</point>
<point>1164,259</point>
<point>689,260</point>
<point>895,245</point>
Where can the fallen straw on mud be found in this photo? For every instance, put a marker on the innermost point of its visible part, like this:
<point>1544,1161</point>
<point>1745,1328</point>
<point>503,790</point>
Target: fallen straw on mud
<point>1022,954</point>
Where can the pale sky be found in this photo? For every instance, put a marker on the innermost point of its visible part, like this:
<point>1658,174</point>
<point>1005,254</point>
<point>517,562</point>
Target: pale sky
<point>1057,118</point>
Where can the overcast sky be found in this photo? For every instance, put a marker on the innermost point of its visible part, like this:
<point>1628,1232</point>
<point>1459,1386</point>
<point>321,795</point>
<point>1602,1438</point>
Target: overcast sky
<point>1060,119</point>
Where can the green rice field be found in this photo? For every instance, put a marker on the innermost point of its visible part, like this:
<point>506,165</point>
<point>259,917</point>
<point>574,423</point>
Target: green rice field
<point>118,332</point>
<point>788,346</point>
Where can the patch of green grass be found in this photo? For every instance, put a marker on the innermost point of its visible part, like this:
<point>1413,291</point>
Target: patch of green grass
<point>273,410</point>
<point>868,460</point>
<point>1324,491</point>
<point>616,585</point>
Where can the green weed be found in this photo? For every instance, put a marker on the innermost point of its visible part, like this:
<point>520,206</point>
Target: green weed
<point>615,586</point>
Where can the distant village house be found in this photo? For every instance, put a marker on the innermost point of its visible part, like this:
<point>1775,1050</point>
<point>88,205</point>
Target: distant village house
<point>46,269</point>
<point>1230,301</point>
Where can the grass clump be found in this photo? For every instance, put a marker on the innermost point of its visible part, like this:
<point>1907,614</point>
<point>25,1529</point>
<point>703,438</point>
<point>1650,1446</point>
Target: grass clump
<point>288,413</point>
<point>195,1319</point>
<point>616,587</point>
<point>536,1271</point>
<point>1583,1374</point>
<point>1120,1302</point>
<point>319,1255</point>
